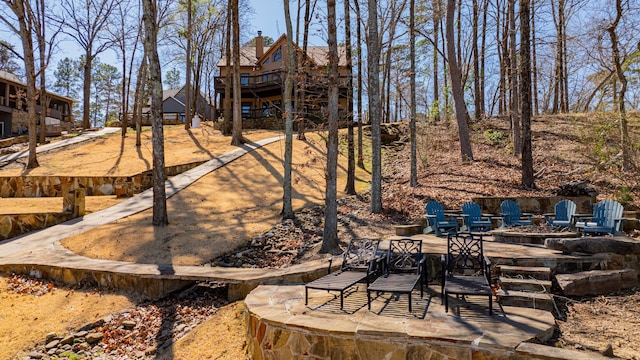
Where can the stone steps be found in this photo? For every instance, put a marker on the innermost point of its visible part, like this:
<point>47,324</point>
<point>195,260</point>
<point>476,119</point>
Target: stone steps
<point>540,273</point>
<point>534,300</point>
<point>522,284</point>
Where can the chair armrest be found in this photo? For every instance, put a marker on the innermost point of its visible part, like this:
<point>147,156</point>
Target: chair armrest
<point>443,267</point>
<point>527,215</point>
<point>331,261</point>
<point>487,271</point>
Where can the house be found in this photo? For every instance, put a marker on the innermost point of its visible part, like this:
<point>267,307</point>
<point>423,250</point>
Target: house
<point>173,107</point>
<point>262,75</point>
<point>13,108</point>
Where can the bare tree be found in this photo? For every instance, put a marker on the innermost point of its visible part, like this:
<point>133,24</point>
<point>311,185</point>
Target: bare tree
<point>25,16</point>
<point>412,46</point>
<point>617,62</point>
<point>287,208</point>
<point>188,94</point>
<point>150,20</point>
<point>456,86</point>
<point>236,135</point>
<point>525,95</point>
<point>330,233</point>
<point>351,161</point>
<point>513,81</point>
<point>86,22</point>
<point>356,4</point>
<point>373,73</point>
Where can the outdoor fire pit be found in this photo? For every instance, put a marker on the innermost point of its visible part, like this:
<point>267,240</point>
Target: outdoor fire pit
<point>534,234</point>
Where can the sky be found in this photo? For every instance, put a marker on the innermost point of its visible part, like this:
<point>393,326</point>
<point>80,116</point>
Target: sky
<point>268,17</point>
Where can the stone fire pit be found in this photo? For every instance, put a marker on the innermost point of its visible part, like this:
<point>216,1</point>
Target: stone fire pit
<point>534,234</point>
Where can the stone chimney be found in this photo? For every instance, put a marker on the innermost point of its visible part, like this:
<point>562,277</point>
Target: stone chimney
<point>259,45</point>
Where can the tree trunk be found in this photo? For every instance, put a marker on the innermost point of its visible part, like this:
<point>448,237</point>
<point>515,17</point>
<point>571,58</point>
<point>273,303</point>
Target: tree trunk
<point>373,73</point>
<point>525,93</point>
<point>513,82</point>
<point>86,91</point>
<point>139,98</point>
<point>534,59</point>
<point>456,86</point>
<point>227,126</point>
<point>624,128</point>
<point>330,233</point>
<point>236,135</point>
<point>479,107</point>
<point>435,108</point>
<point>160,217</point>
<point>413,181</point>
<point>287,208</point>
<point>350,187</point>
<point>188,94</point>
<point>23,14</point>
<point>360,112</point>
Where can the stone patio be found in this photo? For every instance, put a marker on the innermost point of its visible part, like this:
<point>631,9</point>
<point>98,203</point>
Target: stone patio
<point>280,326</point>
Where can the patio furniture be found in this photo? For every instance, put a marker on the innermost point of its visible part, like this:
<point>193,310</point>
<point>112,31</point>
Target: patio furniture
<point>511,215</point>
<point>563,215</point>
<point>439,222</point>
<point>358,265</point>
<point>606,218</point>
<point>404,269</point>
<point>473,218</point>
<point>465,269</point>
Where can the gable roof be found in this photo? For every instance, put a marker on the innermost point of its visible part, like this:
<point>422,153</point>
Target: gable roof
<point>318,54</point>
<point>11,78</point>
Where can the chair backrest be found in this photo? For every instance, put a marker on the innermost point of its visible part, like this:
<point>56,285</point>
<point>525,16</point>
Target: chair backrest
<point>472,210</point>
<point>464,253</point>
<point>435,208</point>
<point>565,210</point>
<point>404,255</point>
<point>606,211</point>
<point>512,210</point>
<point>360,253</point>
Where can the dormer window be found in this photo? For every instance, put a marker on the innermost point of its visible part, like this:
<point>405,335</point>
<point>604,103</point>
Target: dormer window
<point>266,61</point>
<point>277,55</point>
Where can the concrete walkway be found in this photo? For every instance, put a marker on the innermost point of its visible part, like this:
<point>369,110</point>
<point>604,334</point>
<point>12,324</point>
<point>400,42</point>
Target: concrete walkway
<point>62,143</point>
<point>40,252</point>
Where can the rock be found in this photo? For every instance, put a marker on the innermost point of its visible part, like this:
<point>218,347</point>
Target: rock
<point>67,340</point>
<point>576,188</point>
<point>52,344</point>
<point>50,336</point>
<point>151,350</point>
<point>129,324</point>
<point>80,334</point>
<point>83,346</point>
<point>35,355</point>
<point>596,282</point>
<point>93,338</point>
<point>622,245</point>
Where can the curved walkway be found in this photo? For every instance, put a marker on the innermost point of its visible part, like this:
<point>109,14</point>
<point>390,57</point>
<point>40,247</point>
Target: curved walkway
<point>40,252</point>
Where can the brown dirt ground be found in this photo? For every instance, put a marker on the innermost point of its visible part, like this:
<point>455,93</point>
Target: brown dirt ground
<point>565,149</point>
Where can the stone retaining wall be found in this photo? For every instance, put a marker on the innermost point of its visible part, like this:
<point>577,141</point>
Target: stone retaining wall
<point>536,205</point>
<point>16,224</point>
<point>57,186</point>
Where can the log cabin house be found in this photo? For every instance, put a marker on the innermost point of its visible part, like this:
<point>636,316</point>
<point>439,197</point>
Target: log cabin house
<point>262,75</point>
<point>13,109</point>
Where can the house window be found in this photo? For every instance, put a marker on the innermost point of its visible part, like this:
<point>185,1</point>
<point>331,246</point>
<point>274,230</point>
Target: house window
<point>246,110</point>
<point>244,79</point>
<point>266,61</point>
<point>277,55</point>
<point>265,76</point>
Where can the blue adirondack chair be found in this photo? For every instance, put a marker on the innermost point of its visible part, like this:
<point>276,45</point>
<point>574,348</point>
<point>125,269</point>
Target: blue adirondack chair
<point>563,215</point>
<point>473,218</point>
<point>438,221</point>
<point>511,215</point>
<point>606,219</point>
